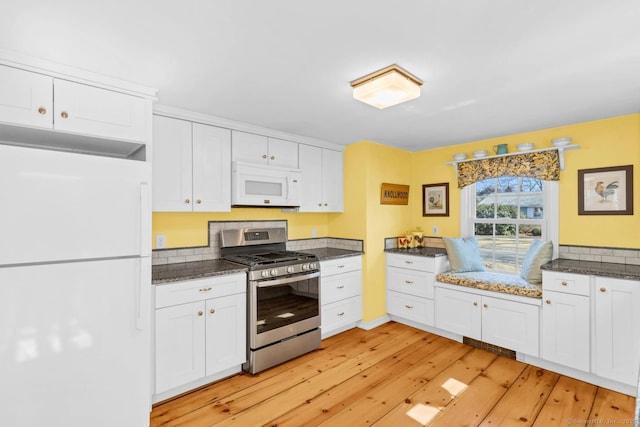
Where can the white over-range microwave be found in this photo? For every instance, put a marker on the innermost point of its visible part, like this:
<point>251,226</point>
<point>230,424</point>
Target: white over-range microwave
<point>263,185</point>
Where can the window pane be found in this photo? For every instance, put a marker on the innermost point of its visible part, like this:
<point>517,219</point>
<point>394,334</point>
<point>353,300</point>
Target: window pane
<point>486,198</point>
<point>531,201</point>
<point>505,253</point>
<point>486,246</point>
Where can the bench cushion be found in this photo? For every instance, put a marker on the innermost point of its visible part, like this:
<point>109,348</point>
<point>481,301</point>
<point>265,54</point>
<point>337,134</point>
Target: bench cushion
<point>488,281</point>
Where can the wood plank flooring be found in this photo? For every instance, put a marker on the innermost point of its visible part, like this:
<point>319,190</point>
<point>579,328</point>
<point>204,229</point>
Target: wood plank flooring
<point>395,375</point>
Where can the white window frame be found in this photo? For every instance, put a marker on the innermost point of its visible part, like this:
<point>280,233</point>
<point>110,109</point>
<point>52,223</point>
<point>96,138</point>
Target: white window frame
<point>550,198</point>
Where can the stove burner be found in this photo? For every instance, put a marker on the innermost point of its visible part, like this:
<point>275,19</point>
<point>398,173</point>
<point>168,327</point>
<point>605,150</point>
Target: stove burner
<point>266,258</point>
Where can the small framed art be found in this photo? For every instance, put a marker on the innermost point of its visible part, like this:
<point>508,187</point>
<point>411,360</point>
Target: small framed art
<point>605,191</point>
<point>435,199</point>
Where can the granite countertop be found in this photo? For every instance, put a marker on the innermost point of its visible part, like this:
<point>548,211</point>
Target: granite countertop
<point>606,269</point>
<point>168,273</point>
<point>330,253</point>
<point>427,252</point>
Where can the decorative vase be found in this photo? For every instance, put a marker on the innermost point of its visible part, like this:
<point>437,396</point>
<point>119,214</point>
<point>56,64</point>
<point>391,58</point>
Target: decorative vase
<point>418,239</point>
<point>402,242</point>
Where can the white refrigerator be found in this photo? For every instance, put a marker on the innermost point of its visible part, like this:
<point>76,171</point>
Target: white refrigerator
<point>75,287</point>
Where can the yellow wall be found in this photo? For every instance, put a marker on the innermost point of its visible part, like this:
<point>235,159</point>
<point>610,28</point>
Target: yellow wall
<point>191,229</point>
<point>367,166</point>
<point>607,142</point>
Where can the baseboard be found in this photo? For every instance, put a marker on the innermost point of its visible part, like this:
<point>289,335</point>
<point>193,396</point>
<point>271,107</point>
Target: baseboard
<point>367,326</point>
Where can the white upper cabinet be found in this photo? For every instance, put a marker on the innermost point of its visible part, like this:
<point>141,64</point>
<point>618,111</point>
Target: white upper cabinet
<point>322,179</point>
<point>99,112</point>
<point>26,98</point>
<point>259,149</point>
<point>191,167</point>
<point>40,101</point>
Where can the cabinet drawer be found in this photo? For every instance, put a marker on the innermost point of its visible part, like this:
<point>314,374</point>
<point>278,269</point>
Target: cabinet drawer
<point>340,286</point>
<point>413,262</point>
<point>340,313</point>
<point>577,284</point>
<point>411,282</point>
<point>340,265</point>
<point>420,310</point>
<point>200,289</point>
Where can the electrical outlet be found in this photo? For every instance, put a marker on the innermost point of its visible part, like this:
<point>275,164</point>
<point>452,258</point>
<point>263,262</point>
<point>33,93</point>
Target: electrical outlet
<point>314,232</point>
<point>434,230</point>
<point>161,241</point>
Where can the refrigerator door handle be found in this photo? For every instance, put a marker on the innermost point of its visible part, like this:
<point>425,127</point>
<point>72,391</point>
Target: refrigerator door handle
<point>145,219</point>
<point>143,315</point>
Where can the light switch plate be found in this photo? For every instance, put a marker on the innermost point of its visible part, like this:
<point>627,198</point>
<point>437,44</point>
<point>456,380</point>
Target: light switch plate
<point>434,230</point>
<point>161,241</point>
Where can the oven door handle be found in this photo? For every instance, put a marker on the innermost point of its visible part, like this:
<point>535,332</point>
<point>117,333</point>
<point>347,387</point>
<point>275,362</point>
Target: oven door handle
<point>285,280</point>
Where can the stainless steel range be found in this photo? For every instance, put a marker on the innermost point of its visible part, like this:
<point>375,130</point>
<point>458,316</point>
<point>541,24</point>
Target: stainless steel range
<point>283,292</point>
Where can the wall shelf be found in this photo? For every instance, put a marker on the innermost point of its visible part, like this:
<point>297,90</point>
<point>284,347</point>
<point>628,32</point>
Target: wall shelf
<point>561,151</point>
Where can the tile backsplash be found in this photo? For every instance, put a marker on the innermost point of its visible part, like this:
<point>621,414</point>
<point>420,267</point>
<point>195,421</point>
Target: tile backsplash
<point>600,254</point>
<point>430,242</point>
<point>212,250</point>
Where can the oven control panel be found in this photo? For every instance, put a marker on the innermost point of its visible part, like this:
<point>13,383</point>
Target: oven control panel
<point>272,271</point>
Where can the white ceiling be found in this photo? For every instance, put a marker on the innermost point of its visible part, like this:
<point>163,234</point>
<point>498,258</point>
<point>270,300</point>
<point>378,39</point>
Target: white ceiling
<point>490,67</point>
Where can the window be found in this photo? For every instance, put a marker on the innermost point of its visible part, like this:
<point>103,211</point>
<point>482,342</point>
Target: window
<point>507,214</point>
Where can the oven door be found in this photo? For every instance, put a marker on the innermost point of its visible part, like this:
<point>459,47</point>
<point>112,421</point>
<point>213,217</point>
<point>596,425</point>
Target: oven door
<point>282,308</point>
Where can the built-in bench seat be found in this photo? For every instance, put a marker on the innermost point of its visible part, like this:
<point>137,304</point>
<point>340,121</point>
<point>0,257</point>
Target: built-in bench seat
<point>496,282</point>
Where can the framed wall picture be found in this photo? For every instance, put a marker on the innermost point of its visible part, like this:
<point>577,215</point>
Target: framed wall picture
<point>606,191</point>
<point>435,199</point>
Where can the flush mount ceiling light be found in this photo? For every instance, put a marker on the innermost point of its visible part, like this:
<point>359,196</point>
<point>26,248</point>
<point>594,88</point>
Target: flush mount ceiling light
<point>390,86</point>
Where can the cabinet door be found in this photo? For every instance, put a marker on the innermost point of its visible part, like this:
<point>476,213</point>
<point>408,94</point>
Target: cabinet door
<point>310,158</point>
<point>412,282</point>
<point>99,112</point>
<point>249,147</point>
<point>332,181</point>
<point>26,98</point>
<point>226,333</point>
<point>565,329</point>
<point>211,169</point>
<point>617,321</point>
<point>283,154</point>
<point>410,307</point>
<point>171,165</point>
<point>511,324</point>
<point>341,286</point>
<point>458,312</point>
<point>180,345</point>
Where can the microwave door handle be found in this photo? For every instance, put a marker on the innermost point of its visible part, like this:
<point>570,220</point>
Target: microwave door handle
<point>285,280</point>
<point>288,187</point>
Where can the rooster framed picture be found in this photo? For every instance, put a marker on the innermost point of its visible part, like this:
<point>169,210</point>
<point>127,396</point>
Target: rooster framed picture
<point>605,191</point>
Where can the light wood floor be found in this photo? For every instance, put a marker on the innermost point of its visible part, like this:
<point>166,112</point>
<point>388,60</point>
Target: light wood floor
<point>396,375</point>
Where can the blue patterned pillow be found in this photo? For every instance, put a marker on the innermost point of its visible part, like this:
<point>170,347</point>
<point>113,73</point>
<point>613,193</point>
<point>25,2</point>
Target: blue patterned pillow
<point>539,253</point>
<point>463,254</point>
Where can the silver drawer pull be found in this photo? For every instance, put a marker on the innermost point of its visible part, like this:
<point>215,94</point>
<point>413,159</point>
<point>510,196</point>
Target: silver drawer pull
<point>408,262</point>
<point>341,313</point>
<point>341,266</point>
<point>564,283</point>
<point>340,287</point>
<point>204,289</point>
<point>409,282</point>
<point>409,306</point>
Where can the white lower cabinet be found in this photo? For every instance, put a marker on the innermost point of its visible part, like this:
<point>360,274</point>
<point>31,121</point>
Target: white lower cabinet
<point>566,319</point>
<point>503,322</point>
<point>340,294</point>
<point>410,287</point>
<point>617,321</point>
<point>200,330</point>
